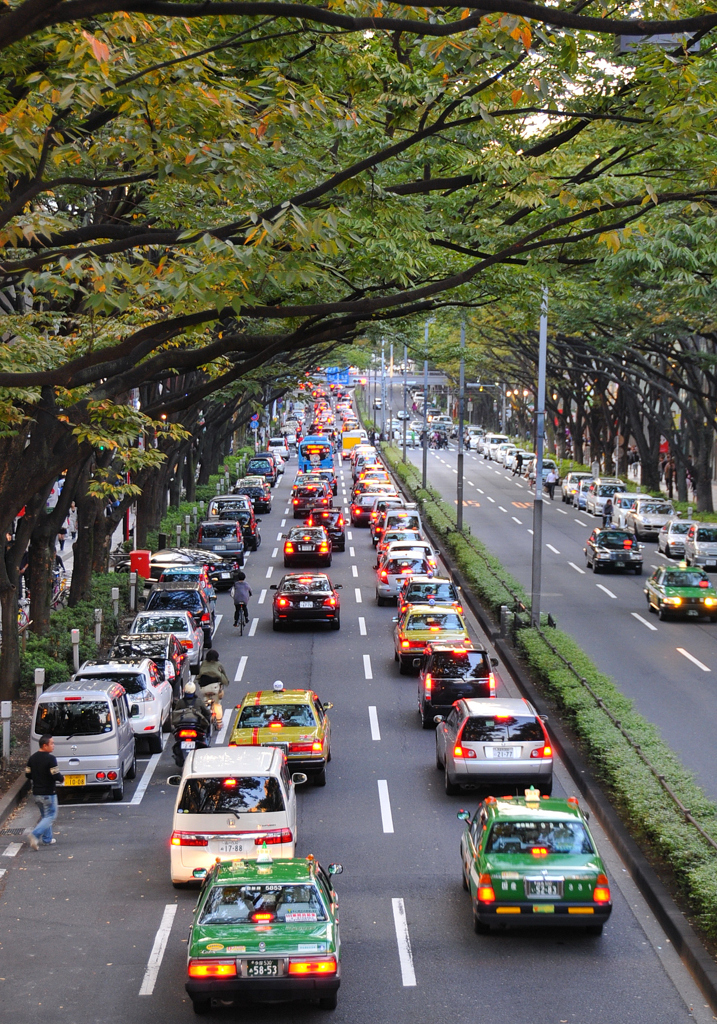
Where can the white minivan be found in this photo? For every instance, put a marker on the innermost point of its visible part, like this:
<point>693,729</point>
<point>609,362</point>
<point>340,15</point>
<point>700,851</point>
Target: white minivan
<point>231,801</point>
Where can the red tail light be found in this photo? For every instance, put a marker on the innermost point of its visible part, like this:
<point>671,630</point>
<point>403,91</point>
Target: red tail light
<point>212,968</point>
<point>282,602</point>
<point>187,734</point>
<point>428,683</point>
<point>284,835</point>
<point>539,851</point>
<point>187,839</point>
<point>200,534</point>
<point>340,521</point>
<point>327,966</point>
<point>306,748</point>
<point>486,893</point>
<point>188,644</point>
<point>296,501</point>
<point>288,548</point>
<point>384,574</point>
<point>491,684</point>
<point>206,617</point>
<point>323,548</point>
<point>465,752</point>
<point>545,751</point>
<point>601,892</point>
<point>330,601</point>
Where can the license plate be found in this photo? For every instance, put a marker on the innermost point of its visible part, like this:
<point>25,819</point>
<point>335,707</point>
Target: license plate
<point>231,848</point>
<point>188,744</point>
<point>692,611</point>
<point>619,565</point>
<point>306,547</point>
<point>540,887</point>
<point>544,908</point>
<point>279,746</point>
<point>306,604</point>
<point>262,968</point>
<point>500,752</point>
<point>226,575</point>
<point>75,780</point>
<point>220,547</point>
<point>711,562</point>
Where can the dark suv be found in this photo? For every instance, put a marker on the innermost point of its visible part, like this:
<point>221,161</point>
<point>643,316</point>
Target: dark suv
<point>332,520</point>
<point>306,497</point>
<point>187,597</point>
<point>450,673</point>
<point>263,465</point>
<point>258,494</point>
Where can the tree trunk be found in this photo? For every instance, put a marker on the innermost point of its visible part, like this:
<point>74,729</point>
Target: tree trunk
<point>82,564</point>
<point>190,467</point>
<point>703,466</point>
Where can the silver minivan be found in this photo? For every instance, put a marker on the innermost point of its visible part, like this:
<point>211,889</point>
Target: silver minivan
<point>701,545</point>
<point>222,535</point>
<point>90,721</point>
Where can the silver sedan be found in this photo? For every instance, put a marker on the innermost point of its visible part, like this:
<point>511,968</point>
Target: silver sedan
<point>671,538</point>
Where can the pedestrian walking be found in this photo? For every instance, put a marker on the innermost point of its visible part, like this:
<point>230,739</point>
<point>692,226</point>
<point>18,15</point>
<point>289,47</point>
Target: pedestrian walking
<point>71,521</point>
<point>607,511</point>
<point>550,482</point>
<point>518,464</point>
<point>669,477</point>
<point>61,534</point>
<point>241,592</point>
<point>44,774</point>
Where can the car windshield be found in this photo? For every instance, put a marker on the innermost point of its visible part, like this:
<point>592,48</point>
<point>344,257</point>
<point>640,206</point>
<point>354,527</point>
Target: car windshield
<point>524,836</point>
<point>460,664</point>
<point>162,599</point>
<point>686,579</point>
<point>238,795</point>
<point>127,648</point>
<point>615,540</point>
<point>160,624</point>
<point>242,904</point>
<point>213,531</point>
<point>132,682</point>
<point>657,510</point>
<point>422,593</point>
<point>74,718</point>
<point>305,586</point>
<point>434,621</point>
<point>502,728</point>
<point>264,716</point>
<point>625,501</point>
<point>706,534</point>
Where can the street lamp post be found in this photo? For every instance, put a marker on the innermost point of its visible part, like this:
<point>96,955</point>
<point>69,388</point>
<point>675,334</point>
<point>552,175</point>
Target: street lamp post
<point>405,388</point>
<point>383,389</point>
<point>425,412</point>
<point>540,440</point>
<point>461,410</point>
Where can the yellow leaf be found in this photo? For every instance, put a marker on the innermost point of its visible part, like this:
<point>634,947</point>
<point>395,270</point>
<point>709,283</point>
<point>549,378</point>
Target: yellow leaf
<point>527,36</point>
<point>100,50</point>
<point>188,158</point>
<point>466,14</point>
<point>516,96</point>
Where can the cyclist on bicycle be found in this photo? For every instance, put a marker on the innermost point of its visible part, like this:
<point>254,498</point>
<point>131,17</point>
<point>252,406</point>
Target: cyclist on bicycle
<point>241,592</point>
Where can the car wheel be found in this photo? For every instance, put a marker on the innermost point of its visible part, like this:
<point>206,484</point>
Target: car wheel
<point>464,879</point>
<point>336,624</point>
<point>201,1005</point>
<point>427,721</point>
<point>276,625</point>
<point>132,773</point>
<point>638,570</point>
<point>595,568</point>
<point>320,778</point>
<point>545,790</point>
<point>395,655</point>
<point>118,791</point>
<point>287,563</point>
<point>661,613</point>
<point>594,929</point>
<point>478,927</point>
<point>450,787</point>
<point>402,667</point>
<point>439,763</point>
<point>380,601</point>
<point>329,1002</point>
<point>155,743</point>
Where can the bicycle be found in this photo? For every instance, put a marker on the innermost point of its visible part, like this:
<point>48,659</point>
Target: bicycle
<point>243,617</point>
<point>60,590</point>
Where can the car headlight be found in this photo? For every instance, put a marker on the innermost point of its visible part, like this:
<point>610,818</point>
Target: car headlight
<point>710,602</point>
<point>673,600</point>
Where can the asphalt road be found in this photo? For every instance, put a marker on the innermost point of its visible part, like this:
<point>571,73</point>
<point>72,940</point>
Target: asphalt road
<point>668,668</point>
<point>79,922</point>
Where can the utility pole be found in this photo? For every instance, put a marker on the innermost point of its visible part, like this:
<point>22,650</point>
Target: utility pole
<point>405,388</point>
<point>390,395</point>
<point>425,411</point>
<point>383,389</point>
<point>540,441</point>
<point>461,411</point>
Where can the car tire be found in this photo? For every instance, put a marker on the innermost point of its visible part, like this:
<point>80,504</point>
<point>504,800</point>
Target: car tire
<point>277,626</point>
<point>132,773</point>
<point>595,568</point>
<point>287,564</point>
<point>402,667</point>
<point>380,601</point>
<point>201,1005</point>
<point>439,763</point>
<point>594,929</point>
<point>154,742</point>
<point>336,624</point>
<point>320,778</point>
<point>427,721</point>
<point>395,655</point>
<point>545,790</point>
<point>638,570</point>
<point>464,879</point>
<point>661,613</point>
<point>118,791</point>
<point>451,788</point>
<point>478,927</point>
<point>329,1002</point>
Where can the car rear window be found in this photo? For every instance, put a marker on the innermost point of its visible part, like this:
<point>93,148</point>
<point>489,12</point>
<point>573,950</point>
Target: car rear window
<point>74,718</point>
<point>615,540</point>
<point>313,533</point>
<point>405,522</point>
<point>708,535</point>
<point>161,624</point>
<point>305,586</point>
<point>607,490</point>
<point>441,592</point>
<point>308,492</point>
<point>253,492</point>
<point>218,531</point>
<point>237,794</point>
<point>679,527</point>
<point>132,682</point>
<point>553,836</point>
<point>238,904</point>
<point>161,599</point>
<point>259,466</point>
<point>460,665</point>
<point>480,729</point>
<point>405,565</point>
<point>264,716</point>
<point>188,574</point>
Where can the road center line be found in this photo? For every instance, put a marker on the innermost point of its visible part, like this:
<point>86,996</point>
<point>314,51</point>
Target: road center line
<point>283,523</point>
<point>490,499</point>
<point>561,511</point>
<point>471,483</point>
<point>373,721</point>
<point>269,571</point>
<point>239,674</point>
<point>516,520</point>
<point>691,657</point>
<point>551,548</point>
<point>362,625</point>
<point>354,570</point>
<point>606,591</point>
<point>275,552</point>
<point>502,509</point>
<point>368,674</point>
<point>644,621</point>
<point>349,535</point>
<point>279,536</point>
<point>518,485</point>
<point>145,780</point>
<point>262,597</point>
<point>385,802</point>
<point>352,552</point>
<point>357,591</point>
<point>577,568</point>
<point>405,957</point>
<point>480,491</point>
<point>252,628</point>
<point>580,522</point>
<point>160,944</point>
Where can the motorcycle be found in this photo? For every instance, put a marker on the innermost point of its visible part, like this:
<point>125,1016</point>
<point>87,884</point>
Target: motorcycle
<point>191,731</point>
<point>213,693</point>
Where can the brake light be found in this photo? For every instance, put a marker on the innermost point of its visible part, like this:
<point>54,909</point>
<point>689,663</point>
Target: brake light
<point>187,734</point>
<point>282,602</point>
<point>601,892</point>
<point>296,501</point>
<point>323,547</point>
<point>262,915</point>
<point>539,851</point>
<point>545,751</point>
<point>330,601</point>
<point>384,574</point>
<point>188,644</point>
<point>206,617</point>
<point>187,839</point>
<point>340,521</point>
<point>288,548</point>
<point>486,893</point>
<point>428,683</point>
<point>327,966</point>
<point>284,835</point>
<point>212,968</point>
<point>459,751</point>
<point>405,643</point>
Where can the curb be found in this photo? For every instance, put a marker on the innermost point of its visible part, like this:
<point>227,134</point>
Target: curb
<point>684,939</point>
<point>12,798</point>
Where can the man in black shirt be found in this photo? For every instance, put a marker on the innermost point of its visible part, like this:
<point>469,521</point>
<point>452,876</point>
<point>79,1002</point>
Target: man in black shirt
<point>44,775</point>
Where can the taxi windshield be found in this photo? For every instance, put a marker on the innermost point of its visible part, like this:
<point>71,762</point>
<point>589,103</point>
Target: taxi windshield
<point>245,904</point>
<point>263,716</point>
<point>555,836</point>
<point>434,620</point>
<point>687,579</point>
<point>615,540</point>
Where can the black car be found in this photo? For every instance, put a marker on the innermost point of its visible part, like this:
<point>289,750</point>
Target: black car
<point>306,597</point>
<point>613,549</point>
<point>449,674</point>
<point>307,545</point>
<point>166,597</point>
<point>260,496</point>
<point>306,497</point>
<point>163,648</point>
<point>332,520</point>
<point>263,465</point>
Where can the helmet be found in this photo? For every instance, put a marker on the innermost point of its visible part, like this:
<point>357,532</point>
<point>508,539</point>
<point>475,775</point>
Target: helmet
<point>190,686</point>
<point>278,686</point>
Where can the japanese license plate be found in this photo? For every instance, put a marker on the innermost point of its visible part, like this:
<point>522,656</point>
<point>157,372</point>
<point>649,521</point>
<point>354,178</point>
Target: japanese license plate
<point>692,611</point>
<point>619,565</point>
<point>279,746</point>
<point>75,780</point>
<point>220,547</point>
<point>231,847</point>
<point>538,888</point>
<point>226,575</point>
<point>262,968</point>
<point>306,547</point>
<point>188,744</point>
<point>544,908</point>
<point>501,752</point>
<point>306,604</point>
<point>711,562</point>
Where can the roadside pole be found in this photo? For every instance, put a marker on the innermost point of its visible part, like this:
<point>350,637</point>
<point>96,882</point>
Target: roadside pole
<point>461,411</point>
<point>540,441</point>
<point>405,385</point>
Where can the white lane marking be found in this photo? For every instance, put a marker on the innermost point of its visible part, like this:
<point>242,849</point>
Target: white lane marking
<point>502,509</point>
<point>262,597</point>
<point>2,872</point>
<point>269,571</point>
<point>518,485</point>
<point>275,552</point>
<point>455,471</point>
<point>516,520</point>
<point>286,511</point>
<point>551,548</point>
<point>577,568</point>
<point>471,483</point>
<point>368,674</point>
<point>146,777</point>
<point>14,848</point>
<point>690,657</point>
<point>385,802</point>
<point>580,522</point>
<point>252,628</point>
<point>219,738</point>
<point>530,532</point>
<point>283,523</point>
<point>239,674</point>
<point>357,591</point>
<point>561,511</point>
<point>279,536</point>
<point>216,624</point>
<point>354,570</point>
<point>606,591</point>
<point>362,625</point>
<point>352,552</point>
<point>497,471</point>
<point>349,535</point>
<point>480,491</point>
<point>373,721</point>
<point>644,621</point>
<point>160,944</point>
<point>405,957</point>
<point>490,499</point>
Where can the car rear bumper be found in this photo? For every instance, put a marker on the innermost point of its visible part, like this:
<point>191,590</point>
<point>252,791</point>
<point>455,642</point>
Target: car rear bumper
<point>307,558</point>
<point>487,773</point>
<point>533,913</point>
<point>308,615</point>
<point>263,988</point>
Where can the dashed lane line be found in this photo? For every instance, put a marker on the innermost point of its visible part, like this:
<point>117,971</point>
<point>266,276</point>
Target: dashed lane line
<point>516,520</point>
<point>577,568</point>
<point>239,674</point>
<point>691,657</point>
<point>352,552</point>
<point>492,500</point>
<point>551,548</point>
<point>403,939</point>
<point>373,722</point>
<point>645,622</point>
<point>262,597</point>
<point>502,509</point>
<point>252,628</point>
<point>368,674</point>
<point>354,570</point>
<point>580,522</point>
<point>561,511</point>
<point>385,804</point>
<point>269,571</point>
<point>275,552</point>
<point>157,954</point>
<point>606,591</point>
<point>217,620</point>
<point>362,626</point>
<point>357,592</point>
<point>146,777</point>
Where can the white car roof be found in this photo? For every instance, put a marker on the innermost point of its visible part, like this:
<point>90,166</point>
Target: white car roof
<point>491,706</point>
<point>230,760</point>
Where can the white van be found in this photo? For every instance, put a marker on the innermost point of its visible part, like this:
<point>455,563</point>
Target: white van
<point>90,720</point>
<point>231,801</point>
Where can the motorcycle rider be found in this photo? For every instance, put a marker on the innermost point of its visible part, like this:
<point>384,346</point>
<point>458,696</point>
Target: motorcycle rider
<point>212,679</point>
<point>192,701</point>
<point>190,709</point>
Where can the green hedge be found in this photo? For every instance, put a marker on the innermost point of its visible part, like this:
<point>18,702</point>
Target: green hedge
<point>637,794</point>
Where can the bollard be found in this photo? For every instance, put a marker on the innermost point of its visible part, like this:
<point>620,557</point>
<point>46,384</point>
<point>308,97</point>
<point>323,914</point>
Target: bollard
<point>133,591</point>
<point>6,715</point>
<point>115,601</point>
<point>161,541</point>
<point>98,626</point>
<point>39,682</point>
<point>194,515</point>
<point>689,511</point>
<point>504,620</point>
<point>75,637</point>
<point>187,520</point>
<point>219,489</point>
<point>201,505</point>
<point>179,535</point>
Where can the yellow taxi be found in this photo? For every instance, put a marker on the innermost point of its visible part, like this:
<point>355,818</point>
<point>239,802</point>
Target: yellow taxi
<point>293,720</point>
<point>422,624</point>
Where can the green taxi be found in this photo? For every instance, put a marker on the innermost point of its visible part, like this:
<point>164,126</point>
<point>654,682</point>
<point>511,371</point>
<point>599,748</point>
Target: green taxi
<point>293,720</point>
<point>422,624</point>
<point>681,590</point>
<point>531,861</point>
<point>265,930</point>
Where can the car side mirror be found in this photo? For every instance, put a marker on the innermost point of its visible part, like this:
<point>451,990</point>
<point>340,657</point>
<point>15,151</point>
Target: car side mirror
<point>463,815</point>
<point>336,869</point>
<point>299,778</point>
<point>338,586</point>
<point>274,586</point>
<point>494,662</point>
<point>327,705</point>
<point>438,719</point>
<point>394,619</point>
<point>174,780</point>
<point>134,711</point>
<point>543,718</point>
